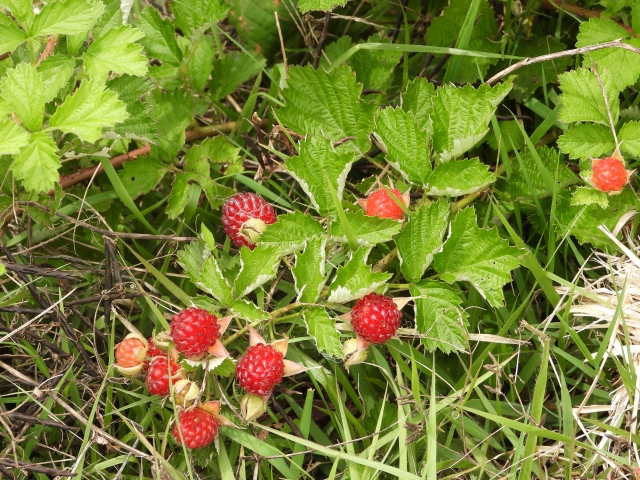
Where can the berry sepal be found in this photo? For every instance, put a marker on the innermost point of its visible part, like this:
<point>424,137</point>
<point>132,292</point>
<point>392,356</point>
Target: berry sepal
<point>252,406</point>
<point>213,407</point>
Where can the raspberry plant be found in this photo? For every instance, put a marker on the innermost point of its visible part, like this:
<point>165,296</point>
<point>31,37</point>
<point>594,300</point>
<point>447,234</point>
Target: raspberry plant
<point>313,238</point>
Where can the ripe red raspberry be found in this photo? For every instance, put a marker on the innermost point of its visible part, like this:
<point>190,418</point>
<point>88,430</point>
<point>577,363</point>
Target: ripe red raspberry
<point>609,174</point>
<point>375,318</point>
<point>199,428</point>
<point>380,204</point>
<point>245,216</point>
<point>158,375</point>
<point>130,352</point>
<point>260,369</point>
<point>193,331</point>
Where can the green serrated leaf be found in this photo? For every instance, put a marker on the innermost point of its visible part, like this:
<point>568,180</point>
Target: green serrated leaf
<point>623,65</point>
<point>23,90</point>
<point>55,72</point>
<point>193,14</point>
<point>310,273</point>
<point>461,117</point>
<point>90,108</point>
<point>582,221</point>
<point>139,126</point>
<point>588,196</point>
<point>291,232</point>
<point>68,17</point>
<point>439,316</point>
<point>112,17</point>
<point>327,104</point>
<point>317,164</point>
<point>213,282</point>
<point>173,111</point>
<point>22,10</point>
<point>422,238</point>
<point>374,68</point>
<point>10,34</point>
<point>129,88</point>
<point>582,99</point>
<point>517,186</point>
<point>355,279</point>
<point>586,140</point>
<point>200,61</point>
<point>418,99</point>
<point>37,164</point>
<point>116,51</point>
<point>232,70</point>
<point>405,144</point>
<point>478,256</point>
<point>225,369</point>
<point>191,259</point>
<point>368,231</point>
<point>461,177</point>
<point>180,191</point>
<point>445,30</point>
<point>142,175</point>
<point>324,5</point>
<point>216,193</point>
<point>12,137</point>
<point>159,41</point>
<point>629,138</point>
<point>322,329</point>
<point>248,311</point>
<point>257,266</point>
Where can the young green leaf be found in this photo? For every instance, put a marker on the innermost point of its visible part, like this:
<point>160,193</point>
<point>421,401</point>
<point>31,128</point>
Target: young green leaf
<point>37,164</point>
<point>478,256</point>
<point>86,111</point>
<point>173,111</point>
<point>586,140</point>
<point>582,99</point>
<point>405,144</point>
<point>180,191</point>
<point>368,231</point>
<point>322,329</point>
<point>439,316</point>
<point>23,90</point>
<point>325,5</point>
<point>199,62</point>
<point>191,259</point>
<point>116,51</point>
<point>623,65</point>
<point>55,72</point>
<point>232,70</point>
<point>629,138</point>
<point>213,282</point>
<point>12,137</point>
<point>588,196</point>
<point>248,311</point>
<point>139,126</point>
<point>310,273</point>
<point>461,177</point>
<point>421,238</point>
<point>159,41</point>
<point>129,88</point>
<point>355,279</point>
<point>461,117</point>
<point>318,164</point>
<point>291,232</point>
<point>193,14</point>
<point>68,17</point>
<point>418,99</point>
<point>256,267</point>
<point>10,34</point>
<point>327,104</point>
<point>142,175</point>
<point>22,10</point>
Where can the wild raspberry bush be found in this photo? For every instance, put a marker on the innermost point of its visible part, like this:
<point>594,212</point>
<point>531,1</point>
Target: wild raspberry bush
<point>286,239</point>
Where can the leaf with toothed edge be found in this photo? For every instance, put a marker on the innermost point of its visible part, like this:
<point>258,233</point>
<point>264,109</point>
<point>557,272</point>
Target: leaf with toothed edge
<point>421,238</point>
<point>582,99</point>
<point>12,137</point>
<point>453,179</point>
<point>256,267</point>
<point>212,281</point>
<point>355,279</point>
<point>439,316</point>
<point>191,258</point>
<point>291,232</point>
<point>310,272</point>
<point>323,330</point>
<point>317,164</point>
<point>368,230</point>
<point>248,311</point>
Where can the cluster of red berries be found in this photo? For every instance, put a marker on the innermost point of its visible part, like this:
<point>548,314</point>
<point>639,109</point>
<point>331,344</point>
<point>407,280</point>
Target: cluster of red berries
<point>195,334</point>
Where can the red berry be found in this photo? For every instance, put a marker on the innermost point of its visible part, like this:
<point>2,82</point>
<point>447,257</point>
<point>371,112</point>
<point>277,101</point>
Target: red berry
<point>609,174</point>
<point>130,352</point>
<point>158,375</point>
<point>260,369</point>
<point>199,428</point>
<point>375,318</point>
<point>193,331</point>
<point>152,352</point>
<point>245,216</point>
<point>380,204</point>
